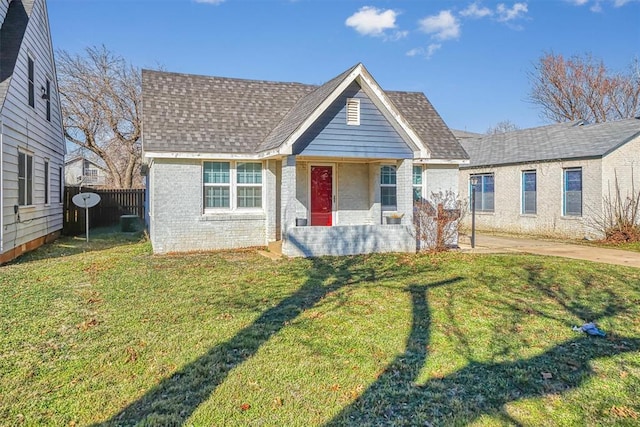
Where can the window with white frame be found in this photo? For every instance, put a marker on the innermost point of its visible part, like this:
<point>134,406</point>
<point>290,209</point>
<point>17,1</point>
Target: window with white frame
<point>31,78</point>
<point>249,184</point>
<point>61,184</point>
<point>25,179</point>
<point>417,183</point>
<point>572,192</point>
<point>232,185</point>
<point>46,182</point>
<point>388,190</point>
<point>48,99</point>
<point>529,193</point>
<point>484,191</point>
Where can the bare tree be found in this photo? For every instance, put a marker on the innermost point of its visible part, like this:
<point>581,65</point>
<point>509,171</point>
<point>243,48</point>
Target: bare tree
<point>101,100</point>
<point>502,127</point>
<point>583,88</point>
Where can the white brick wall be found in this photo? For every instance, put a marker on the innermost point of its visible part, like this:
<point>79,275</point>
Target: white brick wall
<point>549,220</point>
<point>177,219</point>
<point>348,240</point>
<point>623,163</point>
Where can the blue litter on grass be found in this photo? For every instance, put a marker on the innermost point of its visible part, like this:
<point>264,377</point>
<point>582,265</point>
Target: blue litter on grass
<point>590,329</point>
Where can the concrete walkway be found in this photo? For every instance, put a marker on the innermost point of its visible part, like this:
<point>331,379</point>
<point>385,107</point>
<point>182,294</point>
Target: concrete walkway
<point>498,244</point>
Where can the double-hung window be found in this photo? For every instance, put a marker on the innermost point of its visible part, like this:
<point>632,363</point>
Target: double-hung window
<point>31,78</point>
<point>529,186</point>
<point>249,182</point>
<point>572,192</point>
<point>484,191</point>
<point>388,190</point>
<point>417,183</point>
<point>232,185</point>
<point>25,179</point>
<point>46,182</point>
<point>48,100</point>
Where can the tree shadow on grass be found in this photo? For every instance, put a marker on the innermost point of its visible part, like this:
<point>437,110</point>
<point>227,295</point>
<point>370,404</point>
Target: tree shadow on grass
<point>174,400</point>
<point>478,389</point>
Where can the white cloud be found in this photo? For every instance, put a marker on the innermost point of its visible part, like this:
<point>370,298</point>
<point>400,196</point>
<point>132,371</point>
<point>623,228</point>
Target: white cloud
<point>371,21</point>
<point>442,26</point>
<point>432,48</point>
<point>578,2</point>
<point>216,2</point>
<point>518,10</point>
<point>475,11</point>
<point>427,53</point>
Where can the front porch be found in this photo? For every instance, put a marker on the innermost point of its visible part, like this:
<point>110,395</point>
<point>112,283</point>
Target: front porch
<point>343,203</point>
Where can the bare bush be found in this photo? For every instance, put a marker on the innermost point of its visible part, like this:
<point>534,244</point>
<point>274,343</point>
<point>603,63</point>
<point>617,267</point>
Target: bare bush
<point>437,221</point>
<point>620,217</point>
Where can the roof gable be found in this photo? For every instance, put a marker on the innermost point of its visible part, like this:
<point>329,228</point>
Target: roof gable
<point>373,137</point>
<point>561,141</point>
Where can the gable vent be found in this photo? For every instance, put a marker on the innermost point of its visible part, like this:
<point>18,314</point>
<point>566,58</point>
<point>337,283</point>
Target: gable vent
<point>353,111</point>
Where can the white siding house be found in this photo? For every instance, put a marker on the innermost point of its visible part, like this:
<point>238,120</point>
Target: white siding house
<point>83,172</point>
<point>317,169</point>
<point>31,137</point>
<point>551,180</point>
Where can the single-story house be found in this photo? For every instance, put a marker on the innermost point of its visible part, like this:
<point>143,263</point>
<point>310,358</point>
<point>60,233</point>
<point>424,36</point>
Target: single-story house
<point>552,180</point>
<point>32,144</point>
<point>316,169</point>
<point>82,172</point>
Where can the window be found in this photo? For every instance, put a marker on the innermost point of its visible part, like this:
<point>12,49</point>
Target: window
<point>244,193</point>
<point>484,192</point>
<point>217,185</point>
<point>417,183</point>
<point>31,81</point>
<point>48,99</point>
<point>572,197</point>
<point>353,111</point>
<point>46,182</point>
<point>388,187</point>
<point>61,181</point>
<point>529,192</point>
<point>25,179</point>
<point>249,181</point>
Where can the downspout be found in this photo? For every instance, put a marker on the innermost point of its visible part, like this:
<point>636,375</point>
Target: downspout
<point>1,187</point>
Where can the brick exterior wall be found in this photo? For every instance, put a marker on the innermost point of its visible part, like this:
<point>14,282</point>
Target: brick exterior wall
<point>549,219</point>
<point>348,240</point>
<point>176,213</point>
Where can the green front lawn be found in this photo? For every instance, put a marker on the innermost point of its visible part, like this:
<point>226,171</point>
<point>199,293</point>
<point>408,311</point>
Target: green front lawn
<point>105,332</point>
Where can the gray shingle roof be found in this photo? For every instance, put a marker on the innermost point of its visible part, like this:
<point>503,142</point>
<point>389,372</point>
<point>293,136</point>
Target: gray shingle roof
<point>11,35</point>
<point>427,123</point>
<point>189,113</point>
<point>561,141</point>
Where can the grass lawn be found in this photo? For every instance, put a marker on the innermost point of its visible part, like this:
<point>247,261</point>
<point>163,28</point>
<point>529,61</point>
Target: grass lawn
<point>107,333</point>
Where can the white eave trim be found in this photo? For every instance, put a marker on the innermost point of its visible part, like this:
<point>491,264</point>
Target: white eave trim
<point>442,161</point>
<point>201,155</point>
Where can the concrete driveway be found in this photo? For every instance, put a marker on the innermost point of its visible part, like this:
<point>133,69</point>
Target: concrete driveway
<point>498,244</point>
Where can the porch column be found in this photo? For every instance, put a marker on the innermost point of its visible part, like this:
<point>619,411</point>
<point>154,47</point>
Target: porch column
<point>288,195</point>
<point>270,199</point>
<point>404,195</point>
<point>375,210</point>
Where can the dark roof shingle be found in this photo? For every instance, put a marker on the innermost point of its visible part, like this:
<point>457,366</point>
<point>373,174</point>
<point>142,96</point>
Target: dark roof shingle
<point>189,113</point>
<point>553,142</point>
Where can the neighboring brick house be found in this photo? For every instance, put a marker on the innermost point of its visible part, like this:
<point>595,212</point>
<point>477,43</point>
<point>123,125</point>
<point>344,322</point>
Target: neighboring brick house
<point>237,163</point>
<point>32,144</point>
<point>551,180</point>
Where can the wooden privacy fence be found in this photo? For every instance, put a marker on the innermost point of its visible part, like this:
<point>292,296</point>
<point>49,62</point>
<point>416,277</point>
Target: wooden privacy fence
<point>113,204</point>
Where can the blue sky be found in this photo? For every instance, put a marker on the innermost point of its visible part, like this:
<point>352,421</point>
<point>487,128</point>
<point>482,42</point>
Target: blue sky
<point>469,58</point>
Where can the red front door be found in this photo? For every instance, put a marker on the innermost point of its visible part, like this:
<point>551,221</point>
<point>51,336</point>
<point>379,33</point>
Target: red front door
<point>321,194</point>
